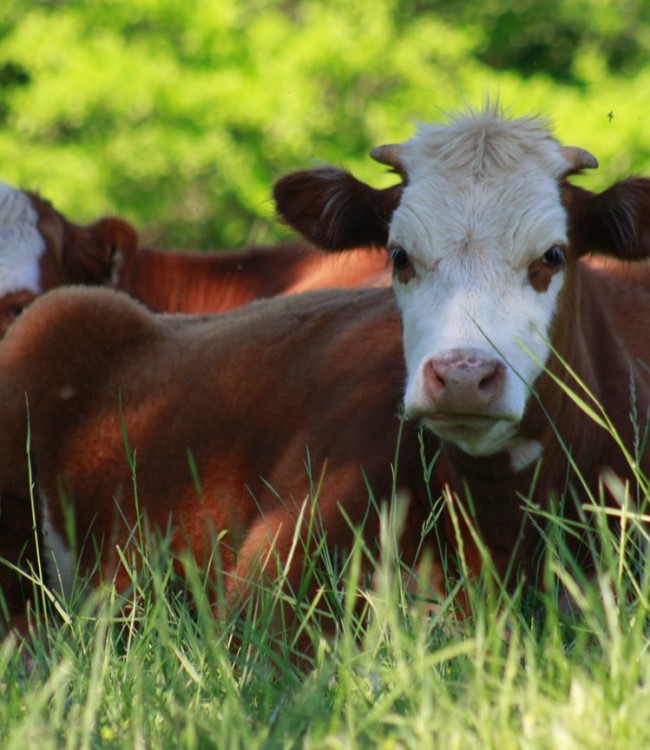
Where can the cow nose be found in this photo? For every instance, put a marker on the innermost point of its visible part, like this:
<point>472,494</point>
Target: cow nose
<point>464,382</point>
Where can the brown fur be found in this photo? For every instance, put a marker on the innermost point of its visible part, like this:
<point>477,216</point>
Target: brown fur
<point>248,393</point>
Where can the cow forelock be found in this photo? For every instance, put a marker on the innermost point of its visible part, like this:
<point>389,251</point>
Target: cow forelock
<point>479,223</point>
<point>21,243</point>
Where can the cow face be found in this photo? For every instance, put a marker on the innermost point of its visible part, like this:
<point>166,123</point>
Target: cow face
<point>40,250</point>
<point>479,243</point>
<point>21,250</point>
<point>478,233</point>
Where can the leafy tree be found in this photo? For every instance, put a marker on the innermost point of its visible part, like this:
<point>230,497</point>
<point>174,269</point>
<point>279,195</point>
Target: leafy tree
<point>180,114</point>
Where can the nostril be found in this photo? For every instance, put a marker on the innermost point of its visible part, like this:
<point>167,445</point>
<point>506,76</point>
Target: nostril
<point>438,379</point>
<point>487,382</point>
<point>435,378</point>
<point>490,383</point>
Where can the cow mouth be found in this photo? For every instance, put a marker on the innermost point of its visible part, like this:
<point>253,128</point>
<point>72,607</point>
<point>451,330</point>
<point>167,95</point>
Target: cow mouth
<point>474,433</point>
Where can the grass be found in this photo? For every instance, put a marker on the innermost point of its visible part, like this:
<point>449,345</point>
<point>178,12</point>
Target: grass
<point>567,668</point>
<point>396,675</point>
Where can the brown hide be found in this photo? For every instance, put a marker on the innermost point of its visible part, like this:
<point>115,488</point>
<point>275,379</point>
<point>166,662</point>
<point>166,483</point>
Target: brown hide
<point>250,395</point>
<point>250,392</point>
<point>168,281</point>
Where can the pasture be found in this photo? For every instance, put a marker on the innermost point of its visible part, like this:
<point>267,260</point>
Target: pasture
<point>180,117</point>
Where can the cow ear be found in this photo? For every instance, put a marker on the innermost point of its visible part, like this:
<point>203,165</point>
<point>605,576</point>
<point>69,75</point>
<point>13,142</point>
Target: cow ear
<point>615,222</point>
<point>334,210</point>
<point>93,254</point>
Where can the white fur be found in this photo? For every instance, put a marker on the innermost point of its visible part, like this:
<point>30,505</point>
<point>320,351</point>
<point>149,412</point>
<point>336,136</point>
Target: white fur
<point>523,453</point>
<point>21,244</point>
<point>481,203</point>
<point>58,560</point>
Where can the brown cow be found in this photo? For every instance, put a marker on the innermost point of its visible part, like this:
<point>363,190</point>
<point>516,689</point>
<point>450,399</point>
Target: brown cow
<point>250,394</point>
<point>40,250</point>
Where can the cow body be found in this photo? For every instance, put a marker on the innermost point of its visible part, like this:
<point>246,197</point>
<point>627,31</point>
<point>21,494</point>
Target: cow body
<point>173,281</point>
<point>41,250</point>
<point>252,396</point>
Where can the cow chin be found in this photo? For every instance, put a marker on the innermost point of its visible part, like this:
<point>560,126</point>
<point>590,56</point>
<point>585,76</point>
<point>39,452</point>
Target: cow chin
<point>474,435</point>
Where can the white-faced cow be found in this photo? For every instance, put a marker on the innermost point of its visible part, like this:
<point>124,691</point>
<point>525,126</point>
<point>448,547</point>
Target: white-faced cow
<point>501,302</point>
<point>40,250</point>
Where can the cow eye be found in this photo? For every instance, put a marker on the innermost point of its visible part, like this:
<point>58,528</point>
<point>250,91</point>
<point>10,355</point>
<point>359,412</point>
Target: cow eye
<point>13,312</point>
<point>554,256</point>
<point>400,258</point>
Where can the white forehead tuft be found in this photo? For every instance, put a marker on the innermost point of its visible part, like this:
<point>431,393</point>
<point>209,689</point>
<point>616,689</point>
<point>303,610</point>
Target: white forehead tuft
<point>21,244</point>
<point>484,182</point>
<point>483,143</point>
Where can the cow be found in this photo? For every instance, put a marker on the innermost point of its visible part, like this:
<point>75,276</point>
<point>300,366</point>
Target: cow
<point>41,250</point>
<point>519,294</point>
<point>238,404</point>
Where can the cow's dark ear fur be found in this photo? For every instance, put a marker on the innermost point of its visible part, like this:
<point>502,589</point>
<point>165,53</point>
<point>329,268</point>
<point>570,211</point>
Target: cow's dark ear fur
<point>615,222</point>
<point>91,254</point>
<point>334,210</point>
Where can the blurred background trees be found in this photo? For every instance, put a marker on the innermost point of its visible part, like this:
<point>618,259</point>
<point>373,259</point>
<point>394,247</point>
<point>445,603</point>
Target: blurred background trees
<point>180,114</point>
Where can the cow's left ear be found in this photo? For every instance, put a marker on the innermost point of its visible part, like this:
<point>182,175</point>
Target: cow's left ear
<point>615,222</point>
<point>94,253</point>
<point>334,210</point>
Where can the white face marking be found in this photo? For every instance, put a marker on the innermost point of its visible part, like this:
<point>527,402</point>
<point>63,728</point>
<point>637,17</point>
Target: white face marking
<point>482,203</point>
<point>21,244</point>
<point>59,563</point>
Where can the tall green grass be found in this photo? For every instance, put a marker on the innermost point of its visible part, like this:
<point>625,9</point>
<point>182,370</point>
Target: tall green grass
<point>567,667</point>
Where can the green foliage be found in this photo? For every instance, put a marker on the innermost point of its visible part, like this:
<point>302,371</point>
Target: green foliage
<point>180,114</point>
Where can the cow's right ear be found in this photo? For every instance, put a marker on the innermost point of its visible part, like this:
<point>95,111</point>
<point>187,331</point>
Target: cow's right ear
<point>615,222</point>
<point>93,254</point>
<point>334,210</point>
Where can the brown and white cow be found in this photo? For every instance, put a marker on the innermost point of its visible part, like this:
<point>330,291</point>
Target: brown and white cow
<point>41,250</point>
<point>501,304</point>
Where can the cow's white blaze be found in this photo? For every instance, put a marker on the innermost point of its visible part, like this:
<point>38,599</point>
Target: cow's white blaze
<point>481,203</point>
<point>21,244</point>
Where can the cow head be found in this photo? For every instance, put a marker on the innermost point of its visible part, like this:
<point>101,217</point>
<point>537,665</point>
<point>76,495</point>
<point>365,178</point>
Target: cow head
<point>40,250</point>
<point>483,233</point>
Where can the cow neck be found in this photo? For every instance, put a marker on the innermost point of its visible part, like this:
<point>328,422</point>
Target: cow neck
<point>552,416</point>
<point>461,465</point>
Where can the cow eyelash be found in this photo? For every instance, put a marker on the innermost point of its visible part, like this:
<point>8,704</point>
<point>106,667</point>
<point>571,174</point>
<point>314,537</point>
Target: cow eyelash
<point>399,256</point>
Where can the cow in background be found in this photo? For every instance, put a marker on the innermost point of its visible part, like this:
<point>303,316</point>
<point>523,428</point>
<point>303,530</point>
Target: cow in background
<point>41,250</point>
